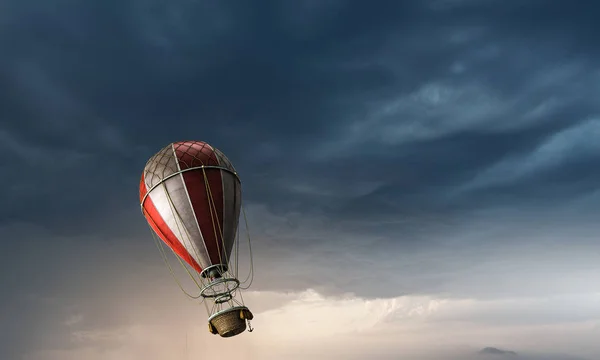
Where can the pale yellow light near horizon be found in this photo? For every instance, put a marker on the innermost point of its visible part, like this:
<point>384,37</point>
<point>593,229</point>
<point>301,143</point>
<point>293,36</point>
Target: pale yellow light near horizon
<point>308,325</point>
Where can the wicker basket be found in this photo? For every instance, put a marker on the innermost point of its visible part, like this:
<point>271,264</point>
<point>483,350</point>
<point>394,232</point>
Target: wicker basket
<point>230,322</point>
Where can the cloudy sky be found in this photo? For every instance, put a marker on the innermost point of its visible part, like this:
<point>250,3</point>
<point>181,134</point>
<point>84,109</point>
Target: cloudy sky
<point>421,177</point>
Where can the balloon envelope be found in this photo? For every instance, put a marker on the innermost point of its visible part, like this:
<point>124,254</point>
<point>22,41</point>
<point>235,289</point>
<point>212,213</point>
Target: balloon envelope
<point>191,196</point>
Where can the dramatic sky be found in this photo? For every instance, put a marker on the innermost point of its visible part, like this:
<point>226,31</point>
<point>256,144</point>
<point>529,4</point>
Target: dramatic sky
<point>421,177</point>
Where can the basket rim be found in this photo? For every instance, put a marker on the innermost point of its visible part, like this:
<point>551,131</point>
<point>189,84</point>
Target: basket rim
<point>235,308</point>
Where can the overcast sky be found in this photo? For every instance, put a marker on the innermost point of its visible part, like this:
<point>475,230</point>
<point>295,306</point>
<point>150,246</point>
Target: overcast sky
<point>421,177</point>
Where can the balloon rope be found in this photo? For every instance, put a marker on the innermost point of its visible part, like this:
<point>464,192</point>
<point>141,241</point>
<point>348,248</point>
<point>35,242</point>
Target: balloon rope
<point>191,243</point>
<point>177,217</point>
<point>164,257</point>
<point>251,272</point>
<point>237,250</point>
<point>213,214</point>
<point>250,275</point>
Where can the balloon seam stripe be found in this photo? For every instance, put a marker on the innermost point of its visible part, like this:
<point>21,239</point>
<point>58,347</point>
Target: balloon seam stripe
<point>182,171</point>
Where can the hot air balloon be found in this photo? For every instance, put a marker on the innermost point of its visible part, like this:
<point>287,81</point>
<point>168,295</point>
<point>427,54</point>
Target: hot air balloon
<point>190,194</point>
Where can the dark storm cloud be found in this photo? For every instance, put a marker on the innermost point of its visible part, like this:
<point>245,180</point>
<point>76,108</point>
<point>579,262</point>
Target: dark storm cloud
<point>90,91</point>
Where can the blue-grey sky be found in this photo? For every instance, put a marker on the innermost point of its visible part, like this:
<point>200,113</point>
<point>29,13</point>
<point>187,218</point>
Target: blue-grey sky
<point>415,170</point>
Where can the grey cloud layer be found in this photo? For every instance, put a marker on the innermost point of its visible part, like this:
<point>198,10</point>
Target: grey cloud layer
<point>355,102</point>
